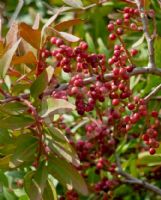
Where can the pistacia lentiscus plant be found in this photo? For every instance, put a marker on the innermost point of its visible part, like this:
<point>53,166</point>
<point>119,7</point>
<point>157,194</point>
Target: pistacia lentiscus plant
<point>68,113</point>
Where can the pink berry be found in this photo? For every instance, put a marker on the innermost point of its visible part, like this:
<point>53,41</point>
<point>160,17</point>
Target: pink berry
<point>115,102</point>
<point>152,151</point>
<point>112,36</point>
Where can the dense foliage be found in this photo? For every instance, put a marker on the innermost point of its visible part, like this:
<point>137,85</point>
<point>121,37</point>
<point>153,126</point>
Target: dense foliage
<point>80,100</point>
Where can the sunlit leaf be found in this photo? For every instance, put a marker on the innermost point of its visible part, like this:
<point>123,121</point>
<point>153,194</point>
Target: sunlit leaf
<point>6,59</point>
<point>53,106</point>
<point>69,37</point>
<point>74,3</point>
<point>50,191</point>
<point>12,35</point>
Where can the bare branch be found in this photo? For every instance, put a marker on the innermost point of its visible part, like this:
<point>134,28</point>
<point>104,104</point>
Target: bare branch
<point>16,13</point>
<point>149,39</point>
<point>132,180</point>
<point>152,93</point>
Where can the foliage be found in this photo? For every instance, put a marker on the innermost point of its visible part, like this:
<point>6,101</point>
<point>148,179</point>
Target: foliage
<point>80,120</point>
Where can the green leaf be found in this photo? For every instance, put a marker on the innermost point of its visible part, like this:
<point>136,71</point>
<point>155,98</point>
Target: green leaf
<point>6,59</point>
<point>59,144</point>
<point>40,84</point>
<point>3,179</point>
<point>12,108</point>
<point>102,47</point>
<point>4,136</point>
<point>26,146</point>
<point>67,175</point>
<point>74,3</point>
<point>150,160</point>
<point>24,197</point>
<point>52,106</point>
<point>157,47</point>
<point>138,42</point>
<point>35,182</point>
<point>50,191</point>
<point>4,162</point>
<point>8,194</point>
<point>90,42</point>
<point>16,122</point>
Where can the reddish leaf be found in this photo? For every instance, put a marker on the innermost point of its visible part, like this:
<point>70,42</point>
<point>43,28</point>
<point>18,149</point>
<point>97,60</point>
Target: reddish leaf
<point>28,58</point>
<point>32,36</point>
<point>66,24</point>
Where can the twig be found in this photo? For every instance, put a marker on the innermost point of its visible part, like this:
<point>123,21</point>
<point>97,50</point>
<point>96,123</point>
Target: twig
<point>149,39</point>
<point>132,180</point>
<point>152,93</point>
<point>88,80</point>
<point>16,13</point>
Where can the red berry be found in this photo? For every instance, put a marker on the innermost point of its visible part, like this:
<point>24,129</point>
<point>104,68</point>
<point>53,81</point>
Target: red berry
<point>59,42</point>
<point>66,68</point>
<point>134,52</point>
<point>145,137</point>
<point>119,31</point>
<point>83,45</point>
<point>119,21</point>
<point>129,68</point>
<point>126,9</point>
<point>115,102</point>
<point>154,114</point>
<point>110,27</point>
<point>116,71</point>
<point>152,151</point>
<point>126,16</point>
<point>53,40</point>
<point>133,26</point>
<point>111,61</point>
<point>131,106</point>
<point>112,36</point>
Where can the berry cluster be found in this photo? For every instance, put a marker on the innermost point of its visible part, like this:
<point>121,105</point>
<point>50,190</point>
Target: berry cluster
<point>76,59</point>
<point>105,185</point>
<point>118,111</point>
<point>150,136</point>
<point>117,28</point>
<point>70,195</point>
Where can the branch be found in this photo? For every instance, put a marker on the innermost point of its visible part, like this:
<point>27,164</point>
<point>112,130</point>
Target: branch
<point>88,80</point>
<point>149,39</point>
<point>16,13</point>
<point>132,180</point>
<point>152,93</point>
